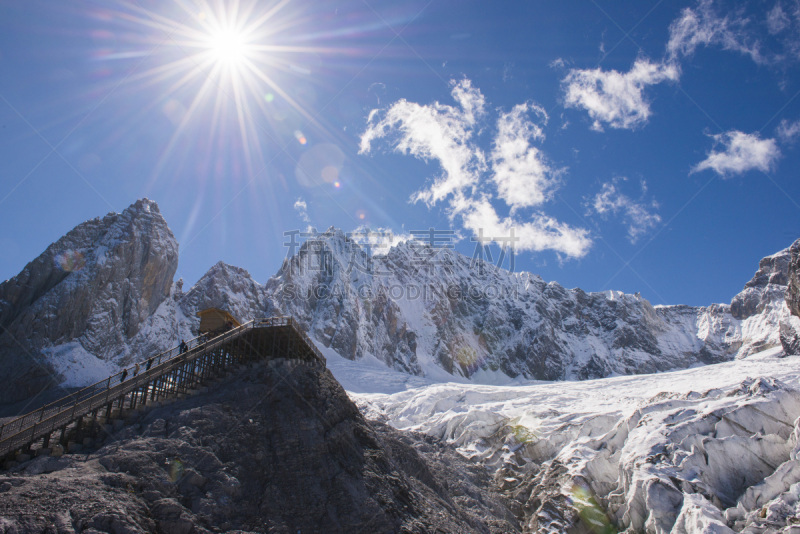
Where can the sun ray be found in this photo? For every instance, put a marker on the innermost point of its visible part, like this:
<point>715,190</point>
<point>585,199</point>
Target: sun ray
<point>196,102</point>
<point>224,71</point>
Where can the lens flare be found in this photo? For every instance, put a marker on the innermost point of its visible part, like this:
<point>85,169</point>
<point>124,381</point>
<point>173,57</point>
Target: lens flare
<point>469,352</point>
<point>300,137</point>
<point>592,515</point>
<point>175,469</point>
<point>522,430</point>
<point>467,358</point>
<point>70,261</point>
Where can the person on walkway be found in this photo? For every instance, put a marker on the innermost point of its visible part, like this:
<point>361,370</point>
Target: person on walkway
<point>136,369</point>
<point>183,346</point>
<point>149,364</point>
<point>124,376</point>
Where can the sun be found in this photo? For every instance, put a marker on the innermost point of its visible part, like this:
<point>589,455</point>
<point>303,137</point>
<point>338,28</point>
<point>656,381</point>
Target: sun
<point>228,47</point>
<point>225,74</point>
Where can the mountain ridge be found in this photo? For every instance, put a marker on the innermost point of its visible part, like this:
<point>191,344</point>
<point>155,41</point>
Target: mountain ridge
<point>419,309</point>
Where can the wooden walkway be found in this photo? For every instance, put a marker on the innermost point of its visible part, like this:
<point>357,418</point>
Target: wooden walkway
<point>163,376</point>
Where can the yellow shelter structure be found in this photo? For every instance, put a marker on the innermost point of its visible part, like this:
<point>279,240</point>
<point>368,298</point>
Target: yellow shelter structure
<point>214,320</point>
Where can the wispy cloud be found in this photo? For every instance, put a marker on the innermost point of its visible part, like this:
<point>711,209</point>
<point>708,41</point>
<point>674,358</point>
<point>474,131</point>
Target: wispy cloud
<point>788,131</point>
<point>740,153</point>
<point>639,216</point>
<point>378,241</point>
<point>705,25</point>
<point>539,232</point>
<point>616,98</point>
<point>777,19</point>
<point>301,208</point>
<point>521,175</point>
<point>738,27</point>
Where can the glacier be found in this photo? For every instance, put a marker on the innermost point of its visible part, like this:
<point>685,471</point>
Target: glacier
<point>686,451</point>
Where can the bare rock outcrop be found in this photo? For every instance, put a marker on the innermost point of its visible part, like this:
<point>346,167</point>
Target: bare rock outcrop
<point>275,448</point>
<point>790,329</point>
<point>94,287</point>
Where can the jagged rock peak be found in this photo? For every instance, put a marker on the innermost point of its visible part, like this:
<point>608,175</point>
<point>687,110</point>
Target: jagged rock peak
<point>226,269</point>
<point>226,287</point>
<point>772,269</point>
<point>770,278</point>
<point>793,279</point>
<point>144,204</point>
<point>94,287</point>
<point>790,328</point>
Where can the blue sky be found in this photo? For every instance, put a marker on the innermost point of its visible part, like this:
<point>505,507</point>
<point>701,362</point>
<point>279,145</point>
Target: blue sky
<point>640,146</point>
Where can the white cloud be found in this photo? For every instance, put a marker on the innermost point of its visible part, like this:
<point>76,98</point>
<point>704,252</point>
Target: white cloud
<point>521,174</point>
<point>539,233</point>
<point>301,208</point>
<point>742,152</point>
<point>639,217</point>
<point>788,131</point>
<point>704,25</point>
<point>613,97</point>
<point>377,240</point>
<point>435,132</point>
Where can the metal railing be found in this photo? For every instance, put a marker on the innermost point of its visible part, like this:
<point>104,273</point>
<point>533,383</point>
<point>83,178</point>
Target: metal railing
<point>48,418</point>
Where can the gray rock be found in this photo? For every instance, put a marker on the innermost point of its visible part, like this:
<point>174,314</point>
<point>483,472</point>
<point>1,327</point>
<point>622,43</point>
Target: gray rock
<point>280,448</point>
<point>793,279</point>
<point>95,286</point>
<point>770,280</point>
<point>790,339</point>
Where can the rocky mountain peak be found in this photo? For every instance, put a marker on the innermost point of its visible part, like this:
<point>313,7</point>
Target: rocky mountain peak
<point>773,269</point>
<point>103,291</point>
<point>226,287</point>
<point>790,327</point>
<point>95,286</point>
<point>770,280</point>
<point>793,279</point>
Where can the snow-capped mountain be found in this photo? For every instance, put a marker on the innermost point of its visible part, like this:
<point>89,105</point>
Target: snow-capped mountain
<point>81,303</point>
<point>103,296</point>
<point>427,311</point>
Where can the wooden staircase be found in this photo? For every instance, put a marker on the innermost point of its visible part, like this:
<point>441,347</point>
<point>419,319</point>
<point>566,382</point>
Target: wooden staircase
<point>164,376</point>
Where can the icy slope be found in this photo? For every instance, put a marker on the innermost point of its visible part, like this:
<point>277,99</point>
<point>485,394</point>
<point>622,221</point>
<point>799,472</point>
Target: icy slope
<point>707,448</point>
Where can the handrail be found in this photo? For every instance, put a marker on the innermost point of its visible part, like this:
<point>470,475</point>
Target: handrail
<point>157,365</point>
<point>80,395</point>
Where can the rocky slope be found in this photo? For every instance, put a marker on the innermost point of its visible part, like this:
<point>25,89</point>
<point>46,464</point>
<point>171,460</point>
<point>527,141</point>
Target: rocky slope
<point>790,327</point>
<point>88,295</point>
<point>278,447</point>
<point>425,311</point>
